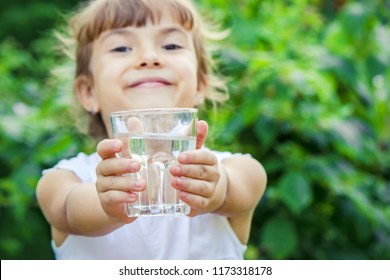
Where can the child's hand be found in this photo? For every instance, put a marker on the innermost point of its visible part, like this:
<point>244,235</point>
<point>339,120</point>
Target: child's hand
<point>197,176</point>
<point>115,190</point>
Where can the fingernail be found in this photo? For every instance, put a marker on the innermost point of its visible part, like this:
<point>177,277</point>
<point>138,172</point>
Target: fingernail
<point>183,157</point>
<point>132,197</point>
<point>116,145</point>
<point>134,166</point>
<point>183,194</point>
<point>139,184</point>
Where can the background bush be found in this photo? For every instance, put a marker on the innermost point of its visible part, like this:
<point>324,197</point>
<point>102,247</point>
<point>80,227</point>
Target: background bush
<point>309,83</point>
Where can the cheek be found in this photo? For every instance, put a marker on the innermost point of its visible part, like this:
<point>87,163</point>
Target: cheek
<point>188,71</point>
<point>105,75</point>
<point>107,69</point>
<point>189,88</point>
<point>107,84</point>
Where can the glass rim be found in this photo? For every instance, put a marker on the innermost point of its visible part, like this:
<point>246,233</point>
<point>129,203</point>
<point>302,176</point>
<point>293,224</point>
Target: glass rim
<point>154,111</point>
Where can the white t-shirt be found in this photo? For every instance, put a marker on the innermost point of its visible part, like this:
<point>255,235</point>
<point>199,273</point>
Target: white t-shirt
<point>207,236</point>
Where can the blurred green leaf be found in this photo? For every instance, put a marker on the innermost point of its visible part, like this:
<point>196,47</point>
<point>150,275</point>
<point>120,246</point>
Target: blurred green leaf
<point>295,191</point>
<point>279,237</point>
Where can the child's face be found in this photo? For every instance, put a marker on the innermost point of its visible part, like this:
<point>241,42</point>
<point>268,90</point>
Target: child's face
<point>154,66</point>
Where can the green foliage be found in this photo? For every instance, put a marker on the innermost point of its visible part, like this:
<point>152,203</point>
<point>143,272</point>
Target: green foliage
<point>310,99</point>
<point>26,20</point>
<point>312,103</point>
<point>35,134</point>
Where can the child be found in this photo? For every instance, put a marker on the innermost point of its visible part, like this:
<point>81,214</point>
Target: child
<point>134,54</point>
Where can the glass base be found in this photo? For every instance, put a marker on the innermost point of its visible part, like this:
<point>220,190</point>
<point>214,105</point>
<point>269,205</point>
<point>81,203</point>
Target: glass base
<point>155,210</point>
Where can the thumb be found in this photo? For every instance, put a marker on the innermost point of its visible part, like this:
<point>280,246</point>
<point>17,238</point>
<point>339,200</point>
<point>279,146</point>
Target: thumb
<point>201,132</point>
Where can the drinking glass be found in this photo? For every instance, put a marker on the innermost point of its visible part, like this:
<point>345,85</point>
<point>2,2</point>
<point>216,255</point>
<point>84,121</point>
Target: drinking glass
<point>155,138</point>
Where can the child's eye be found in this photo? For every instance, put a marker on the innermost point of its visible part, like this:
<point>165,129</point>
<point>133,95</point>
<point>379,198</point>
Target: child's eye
<point>121,49</point>
<point>171,47</point>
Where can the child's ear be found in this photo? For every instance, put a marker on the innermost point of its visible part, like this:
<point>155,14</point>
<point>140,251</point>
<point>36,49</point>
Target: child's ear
<point>84,91</point>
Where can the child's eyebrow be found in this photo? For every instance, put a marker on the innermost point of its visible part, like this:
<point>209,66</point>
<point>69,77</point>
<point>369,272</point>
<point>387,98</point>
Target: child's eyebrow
<point>114,32</point>
<point>169,30</point>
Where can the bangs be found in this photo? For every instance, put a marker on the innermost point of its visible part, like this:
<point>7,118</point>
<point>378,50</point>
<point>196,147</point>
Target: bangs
<point>108,15</point>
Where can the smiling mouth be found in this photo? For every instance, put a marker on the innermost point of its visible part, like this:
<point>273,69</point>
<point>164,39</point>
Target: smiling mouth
<point>150,83</point>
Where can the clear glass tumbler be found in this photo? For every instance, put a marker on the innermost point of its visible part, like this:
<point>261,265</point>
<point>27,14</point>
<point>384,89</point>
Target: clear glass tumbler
<point>155,138</point>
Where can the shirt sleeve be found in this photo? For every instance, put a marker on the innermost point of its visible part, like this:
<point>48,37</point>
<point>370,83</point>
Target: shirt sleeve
<point>82,165</point>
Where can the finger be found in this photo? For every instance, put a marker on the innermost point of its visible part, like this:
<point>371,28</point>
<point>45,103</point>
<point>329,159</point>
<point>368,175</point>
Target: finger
<point>120,183</point>
<point>195,171</point>
<point>196,202</point>
<point>198,187</point>
<point>117,197</point>
<point>201,133</point>
<point>108,148</point>
<point>116,166</point>
<point>198,157</point>
<point>134,125</point>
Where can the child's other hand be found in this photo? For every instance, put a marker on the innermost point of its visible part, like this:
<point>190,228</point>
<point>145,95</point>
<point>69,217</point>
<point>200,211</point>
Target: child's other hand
<point>196,176</point>
<point>115,190</point>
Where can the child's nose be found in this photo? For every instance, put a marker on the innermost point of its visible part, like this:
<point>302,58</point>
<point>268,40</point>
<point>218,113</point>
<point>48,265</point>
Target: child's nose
<point>149,59</point>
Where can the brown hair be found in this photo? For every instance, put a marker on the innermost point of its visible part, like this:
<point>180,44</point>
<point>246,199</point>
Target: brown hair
<point>97,16</point>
